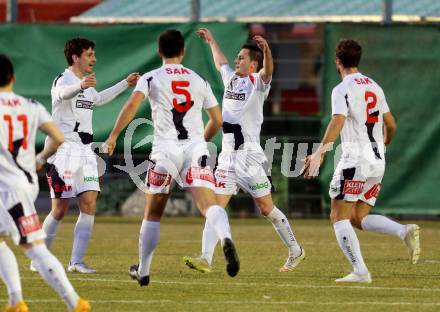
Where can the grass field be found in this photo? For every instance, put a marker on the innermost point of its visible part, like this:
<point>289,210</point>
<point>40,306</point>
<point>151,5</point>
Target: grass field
<point>397,285</point>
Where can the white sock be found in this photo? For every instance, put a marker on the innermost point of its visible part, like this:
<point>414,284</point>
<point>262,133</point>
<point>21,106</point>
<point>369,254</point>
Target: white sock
<point>209,241</point>
<point>282,226</point>
<point>53,273</point>
<point>349,244</point>
<point>9,274</point>
<point>148,239</point>
<point>384,225</point>
<point>218,219</point>
<point>50,227</point>
<point>82,234</point>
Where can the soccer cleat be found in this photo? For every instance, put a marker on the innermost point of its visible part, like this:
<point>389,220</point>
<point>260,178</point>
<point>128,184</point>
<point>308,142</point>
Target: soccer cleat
<point>232,262</point>
<point>80,268</point>
<point>19,307</point>
<point>82,306</point>
<point>142,280</point>
<point>412,241</point>
<point>355,278</point>
<point>198,263</point>
<point>32,268</point>
<point>292,262</point>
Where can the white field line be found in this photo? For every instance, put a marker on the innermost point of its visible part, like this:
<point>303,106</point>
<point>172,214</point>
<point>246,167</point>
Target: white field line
<point>127,281</point>
<point>267,302</point>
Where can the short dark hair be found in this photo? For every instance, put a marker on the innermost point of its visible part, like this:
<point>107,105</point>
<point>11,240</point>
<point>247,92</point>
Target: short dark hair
<point>349,52</point>
<point>171,43</point>
<point>255,54</point>
<point>76,46</point>
<point>6,70</point>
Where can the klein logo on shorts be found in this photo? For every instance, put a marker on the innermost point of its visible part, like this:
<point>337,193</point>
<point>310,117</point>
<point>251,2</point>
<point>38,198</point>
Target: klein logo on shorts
<point>259,186</point>
<point>220,184</point>
<point>158,179</point>
<point>373,192</point>
<point>91,179</point>
<point>352,187</point>
<point>29,224</point>
<point>200,173</point>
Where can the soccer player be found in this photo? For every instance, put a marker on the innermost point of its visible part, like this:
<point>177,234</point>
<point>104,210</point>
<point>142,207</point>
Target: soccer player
<point>241,159</point>
<point>20,118</point>
<point>73,171</point>
<point>360,114</point>
<point>177,96</point>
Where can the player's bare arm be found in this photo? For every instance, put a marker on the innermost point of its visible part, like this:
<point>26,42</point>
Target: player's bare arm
<point>267,70</point>
<point>55,139</point>
<point>214,123</point>
<point>124,118</point>
<point>217,54</point>
<point>314,161</point>
<point>390,127</point>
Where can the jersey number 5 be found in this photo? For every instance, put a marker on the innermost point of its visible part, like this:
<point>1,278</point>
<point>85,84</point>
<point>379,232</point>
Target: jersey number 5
<point>179,87</point>
<point>371,100</point>
<point>24,123</point>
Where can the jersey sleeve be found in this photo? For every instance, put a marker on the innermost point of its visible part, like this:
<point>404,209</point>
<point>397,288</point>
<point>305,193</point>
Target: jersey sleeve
<point>260,85</point>
<point>43,114</point>
<point>227,73</point>
<point>62,89</point>
<point>339,103</point>
<point>209,100</point>
<point>144,83</point>
<point>384,105</point>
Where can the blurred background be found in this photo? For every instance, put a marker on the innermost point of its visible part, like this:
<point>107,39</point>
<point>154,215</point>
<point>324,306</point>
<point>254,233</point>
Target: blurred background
<point>401,52</point>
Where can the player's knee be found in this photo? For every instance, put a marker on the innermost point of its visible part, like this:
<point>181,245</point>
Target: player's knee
<point>58,212</point>
<point>356,222</point>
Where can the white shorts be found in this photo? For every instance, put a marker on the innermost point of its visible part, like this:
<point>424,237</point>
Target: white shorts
<point>18,217</point>
<point>186,164</point>
<point>357,182</point>
<point>242,169</point>
<point>70,175</point>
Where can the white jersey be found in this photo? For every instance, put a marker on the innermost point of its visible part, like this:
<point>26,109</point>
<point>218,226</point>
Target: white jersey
<point>177,95</point>
<point>363,102</point>
<point>20,119</point>
<point>243,101</point>
<point>72,107</point>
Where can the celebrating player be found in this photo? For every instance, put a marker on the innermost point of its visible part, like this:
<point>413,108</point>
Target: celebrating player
<point>20,118</point>
<point>177,96</point>
<point>241,159</point>
<point>73,171</point>
<point>363,119</point>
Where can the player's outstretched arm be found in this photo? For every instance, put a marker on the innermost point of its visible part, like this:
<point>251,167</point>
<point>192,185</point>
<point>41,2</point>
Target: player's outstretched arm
<point>390,127</point>
<point>217,54</point>
<point>56,138</point>
<point>125,117</point>
<point>267,70</point>
<point>214,123</point>
<point>109,94</point>
<point>67,91</point>
<point>314,161</point>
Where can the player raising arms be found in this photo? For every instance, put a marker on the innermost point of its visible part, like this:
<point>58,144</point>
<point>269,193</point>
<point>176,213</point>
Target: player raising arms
<point>241,159</point>
<point>177,96</point>
<point>360,114</point>
<point>73,170</point>
<point>20,118</point>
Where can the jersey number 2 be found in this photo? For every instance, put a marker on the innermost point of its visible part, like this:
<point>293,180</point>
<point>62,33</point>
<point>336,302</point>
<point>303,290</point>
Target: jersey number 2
<point>371,100</point>
<point>179,87</point>
<point>24,123</point>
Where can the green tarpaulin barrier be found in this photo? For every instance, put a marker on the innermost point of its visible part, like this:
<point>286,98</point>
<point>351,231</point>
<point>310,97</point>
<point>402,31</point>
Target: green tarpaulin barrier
<point>38,57</point>
<point>404,60</point>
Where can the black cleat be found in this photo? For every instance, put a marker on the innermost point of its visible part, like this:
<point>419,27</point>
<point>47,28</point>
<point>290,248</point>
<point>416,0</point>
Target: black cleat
<point>232,262</point>
<point>142,280</point>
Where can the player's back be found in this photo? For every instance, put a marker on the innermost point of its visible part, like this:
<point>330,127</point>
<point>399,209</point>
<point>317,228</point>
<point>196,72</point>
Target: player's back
<point>19,122</point>
<point>363,102</point>
<point>177,96</point>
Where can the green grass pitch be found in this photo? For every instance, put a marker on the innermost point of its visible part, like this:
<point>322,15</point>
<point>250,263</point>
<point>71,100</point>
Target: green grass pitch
<point>397,285</point>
